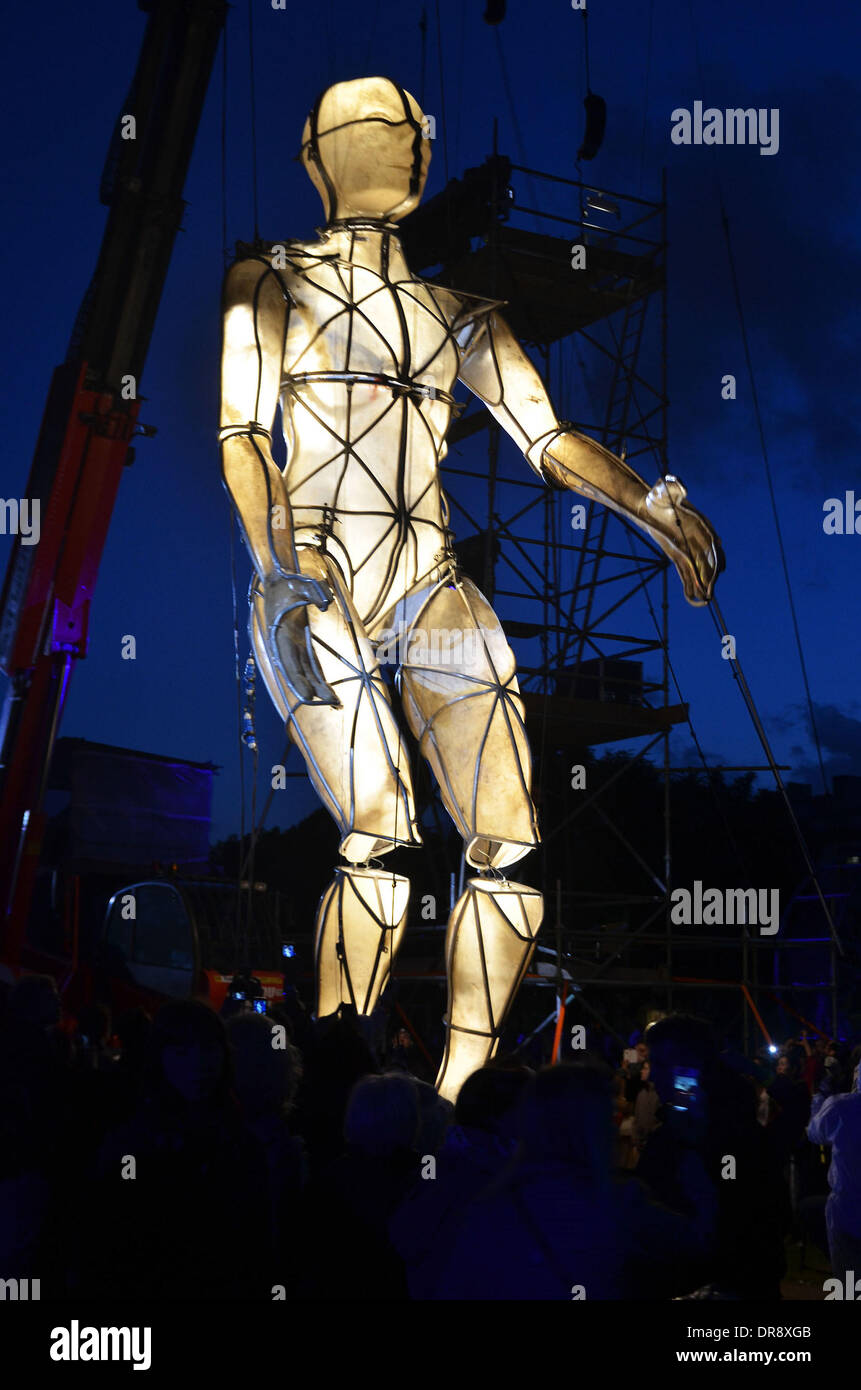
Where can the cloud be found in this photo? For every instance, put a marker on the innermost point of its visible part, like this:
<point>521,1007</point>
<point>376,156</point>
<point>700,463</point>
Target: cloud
<point>839,738</point>
<point>840,733</point>
<point>793,226</point>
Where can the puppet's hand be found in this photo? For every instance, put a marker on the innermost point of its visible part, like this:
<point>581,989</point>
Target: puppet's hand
<point>288,634</point>
<point>685,536</point>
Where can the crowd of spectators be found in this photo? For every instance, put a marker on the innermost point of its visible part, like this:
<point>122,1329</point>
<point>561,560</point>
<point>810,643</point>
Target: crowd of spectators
<point>192,1155</point>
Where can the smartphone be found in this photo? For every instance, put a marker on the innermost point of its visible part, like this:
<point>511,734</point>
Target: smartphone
<point>686,1088</point>
<point>260,1006</point>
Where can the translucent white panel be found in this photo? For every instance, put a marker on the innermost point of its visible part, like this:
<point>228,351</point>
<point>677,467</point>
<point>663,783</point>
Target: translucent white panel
<point>357,143</point>
<point>462,702</point>
<point>489,943</point>
<point>360,923</point>
<point>354,753</point>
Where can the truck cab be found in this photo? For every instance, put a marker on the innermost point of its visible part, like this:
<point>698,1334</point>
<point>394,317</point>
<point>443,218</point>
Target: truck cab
<point>183,939</point>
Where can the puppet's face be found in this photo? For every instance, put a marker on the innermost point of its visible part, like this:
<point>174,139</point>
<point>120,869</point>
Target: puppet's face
<point>369,150</point>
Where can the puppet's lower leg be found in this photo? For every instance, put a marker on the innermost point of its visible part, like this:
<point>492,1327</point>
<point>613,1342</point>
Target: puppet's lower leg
<point>360,922</point>
<point>490,939</point>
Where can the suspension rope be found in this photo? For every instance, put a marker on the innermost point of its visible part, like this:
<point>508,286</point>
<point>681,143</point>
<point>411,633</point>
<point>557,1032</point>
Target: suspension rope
<point>720,624</point>
<point>372,33</point>
<point>331,44</point>
<point>710,772</point>
<point>722,630</point>
<point>246,941</point>
<point>224,251</point>
<point>761,431</point>
<point>459,83</point>
<point>268,802</point>
<point>512,111</point>
<point>719,621</point>
<point>585,14</point>
<point>771,493</point>
<point>423,30</point>
<point>238,679</point>
<point>645,97</point>
<point>253,118</point>
<point>441,91</point>
<point>241,955</point>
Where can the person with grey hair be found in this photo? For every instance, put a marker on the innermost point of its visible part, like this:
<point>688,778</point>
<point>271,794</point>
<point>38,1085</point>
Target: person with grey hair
<point>559,1224</point>
<point>348,1206</point>
<point>382,1115</point>
<point>475,1150</point>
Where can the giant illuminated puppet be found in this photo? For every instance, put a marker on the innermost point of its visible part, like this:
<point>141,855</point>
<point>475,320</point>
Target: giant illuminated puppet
<point>350,545</point>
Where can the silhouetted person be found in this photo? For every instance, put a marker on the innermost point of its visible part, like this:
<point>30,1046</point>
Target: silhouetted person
<point>436,1115</point>
<point>178,1181</point>
<point>35,1090</point>
<point>558,1223</point>
<point>475,1150</point>
<point>813,1067</point>
<point>267,1069</point>
<point>334,1061</point>
<point>348,1254</point>
<point>790,1095</point>
<point>748,1258</point>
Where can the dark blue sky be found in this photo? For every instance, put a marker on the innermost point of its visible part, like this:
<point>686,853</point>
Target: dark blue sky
<point>795,219</point>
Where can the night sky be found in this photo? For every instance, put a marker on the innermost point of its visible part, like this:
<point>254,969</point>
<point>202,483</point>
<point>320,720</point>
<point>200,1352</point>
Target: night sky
<point>795,221</point>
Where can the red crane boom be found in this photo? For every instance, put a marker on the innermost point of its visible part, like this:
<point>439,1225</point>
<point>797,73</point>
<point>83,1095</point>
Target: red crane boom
<point>89,420</point>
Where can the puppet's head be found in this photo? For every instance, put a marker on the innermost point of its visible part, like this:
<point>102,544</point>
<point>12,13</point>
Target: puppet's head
<point>365,150</point>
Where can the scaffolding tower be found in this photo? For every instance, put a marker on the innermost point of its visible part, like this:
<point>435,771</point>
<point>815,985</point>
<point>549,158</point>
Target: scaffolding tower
<point>582,593</point>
